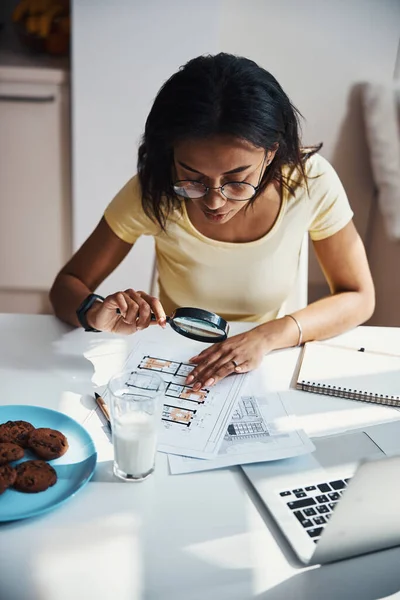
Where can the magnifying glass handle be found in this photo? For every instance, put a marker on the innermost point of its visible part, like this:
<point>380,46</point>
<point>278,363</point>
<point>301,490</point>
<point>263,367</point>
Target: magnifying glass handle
<point>152,318</point>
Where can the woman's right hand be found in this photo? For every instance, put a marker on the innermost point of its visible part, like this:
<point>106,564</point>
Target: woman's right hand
<point>135,309</point>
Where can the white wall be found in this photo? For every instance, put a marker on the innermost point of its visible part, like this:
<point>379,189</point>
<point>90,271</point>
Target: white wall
<point>122,53</point>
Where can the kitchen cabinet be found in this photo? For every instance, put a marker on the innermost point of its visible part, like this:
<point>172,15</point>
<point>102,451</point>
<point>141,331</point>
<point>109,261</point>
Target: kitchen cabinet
<point>35,229</point>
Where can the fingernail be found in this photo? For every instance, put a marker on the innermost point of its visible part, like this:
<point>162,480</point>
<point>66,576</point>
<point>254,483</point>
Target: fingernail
<point>189,378</point>
<point>197,386</point>
<point>139,328</point>
<point>163,322</point>
<point>192,359</point>
<point>209,382</point>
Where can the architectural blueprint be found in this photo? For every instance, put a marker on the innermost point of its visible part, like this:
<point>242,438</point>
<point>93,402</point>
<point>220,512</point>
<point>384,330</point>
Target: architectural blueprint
<point>193,423</point>
<point>260,429</point>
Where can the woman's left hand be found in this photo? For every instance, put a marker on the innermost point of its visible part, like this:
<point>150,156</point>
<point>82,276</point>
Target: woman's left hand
<point>238,354</point>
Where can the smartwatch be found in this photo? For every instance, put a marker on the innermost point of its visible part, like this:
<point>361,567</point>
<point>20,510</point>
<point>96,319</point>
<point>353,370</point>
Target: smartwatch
<point>84,307</point>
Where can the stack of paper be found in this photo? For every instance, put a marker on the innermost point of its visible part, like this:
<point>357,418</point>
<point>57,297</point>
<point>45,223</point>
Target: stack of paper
<point>235,422</point>
<point>260,430</point>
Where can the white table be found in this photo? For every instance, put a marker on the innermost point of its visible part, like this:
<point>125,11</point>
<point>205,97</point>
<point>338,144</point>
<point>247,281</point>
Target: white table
<point>186,537</point>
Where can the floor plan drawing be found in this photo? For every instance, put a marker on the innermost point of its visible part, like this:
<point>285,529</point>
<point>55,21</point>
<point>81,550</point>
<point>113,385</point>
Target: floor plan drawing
<point>163,365</point>
<point>175,370</point>
<point>173,414</point>
<point>194,422</point>
<point>260,429</point>
<point>140,384</point>
<point>185,392</point>
<point>247,422</point>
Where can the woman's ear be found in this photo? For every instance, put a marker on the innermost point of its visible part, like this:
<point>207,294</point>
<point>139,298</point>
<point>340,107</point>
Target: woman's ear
<point>271,153</point>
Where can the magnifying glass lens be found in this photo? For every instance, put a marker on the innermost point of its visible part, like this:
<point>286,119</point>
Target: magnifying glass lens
<point>199,327</point>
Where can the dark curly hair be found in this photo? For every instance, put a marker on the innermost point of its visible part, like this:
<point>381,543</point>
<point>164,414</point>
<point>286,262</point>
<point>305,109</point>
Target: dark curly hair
<point>216,95</point>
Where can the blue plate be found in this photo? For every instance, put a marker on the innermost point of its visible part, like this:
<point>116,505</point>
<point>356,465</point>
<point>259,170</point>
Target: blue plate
<point>74,469</point>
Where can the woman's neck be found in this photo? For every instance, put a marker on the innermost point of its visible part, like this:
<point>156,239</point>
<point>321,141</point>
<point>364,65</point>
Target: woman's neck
<point>248,225</point>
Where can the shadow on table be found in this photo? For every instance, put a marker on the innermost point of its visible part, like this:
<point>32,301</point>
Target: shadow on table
<point>42,360</point>
<point>368,577</point>
<point>194,543</point>
<point>189,542</point>
<point>104,473</point>
<point>47,363</point>
<point>50,345</point>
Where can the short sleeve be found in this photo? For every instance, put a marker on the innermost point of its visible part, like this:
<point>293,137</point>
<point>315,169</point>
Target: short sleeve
<point>330,210</point>
<point>125,214</point>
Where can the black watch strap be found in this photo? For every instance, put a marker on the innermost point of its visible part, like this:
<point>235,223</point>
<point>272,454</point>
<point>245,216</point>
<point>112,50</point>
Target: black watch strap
<point>84,307</point>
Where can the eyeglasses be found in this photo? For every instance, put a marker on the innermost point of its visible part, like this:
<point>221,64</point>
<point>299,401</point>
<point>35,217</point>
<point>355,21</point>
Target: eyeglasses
<point>239,191</point>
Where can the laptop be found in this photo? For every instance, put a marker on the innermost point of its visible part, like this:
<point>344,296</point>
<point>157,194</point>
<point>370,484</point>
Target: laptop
<point>339,502</point>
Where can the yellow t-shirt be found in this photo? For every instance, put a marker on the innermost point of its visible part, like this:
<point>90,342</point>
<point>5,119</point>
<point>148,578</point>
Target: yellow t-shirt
<point>239,281</point>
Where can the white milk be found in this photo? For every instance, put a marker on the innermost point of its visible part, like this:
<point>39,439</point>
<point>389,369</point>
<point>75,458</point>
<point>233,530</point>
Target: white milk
<point>135,439</point>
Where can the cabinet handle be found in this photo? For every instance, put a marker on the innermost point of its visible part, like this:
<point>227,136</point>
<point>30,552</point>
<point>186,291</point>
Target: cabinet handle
<point>35,99</point>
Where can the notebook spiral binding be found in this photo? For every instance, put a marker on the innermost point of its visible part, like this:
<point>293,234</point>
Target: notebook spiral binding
<point>343,392</point>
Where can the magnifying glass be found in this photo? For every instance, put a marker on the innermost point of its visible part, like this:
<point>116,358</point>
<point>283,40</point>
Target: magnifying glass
<point>197,324</point>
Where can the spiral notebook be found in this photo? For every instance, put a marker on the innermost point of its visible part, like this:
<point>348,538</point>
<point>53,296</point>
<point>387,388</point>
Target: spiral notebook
<point>350,373</point>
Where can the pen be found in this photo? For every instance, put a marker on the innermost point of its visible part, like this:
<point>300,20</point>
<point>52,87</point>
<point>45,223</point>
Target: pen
<point>104,408</point>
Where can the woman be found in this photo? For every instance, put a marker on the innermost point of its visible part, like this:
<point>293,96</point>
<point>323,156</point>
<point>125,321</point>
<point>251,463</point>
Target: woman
<point>228,194</point>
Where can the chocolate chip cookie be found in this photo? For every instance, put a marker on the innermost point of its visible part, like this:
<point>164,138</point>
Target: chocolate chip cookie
<point>9,452</point>
<point>34,476</point>
<point>16,432</point>
<point>48,443</point>
<point>8,476</point>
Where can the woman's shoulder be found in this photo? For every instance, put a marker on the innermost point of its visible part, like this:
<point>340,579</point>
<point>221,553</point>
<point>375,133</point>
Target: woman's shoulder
<point>125,213</point>
<point>328,204</point>
<point>316,165</point>
<point>131,191</point>
<point>317,174</point>
<point>322,178</point>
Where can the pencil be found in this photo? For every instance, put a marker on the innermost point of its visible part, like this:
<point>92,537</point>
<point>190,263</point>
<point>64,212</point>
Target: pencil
<point>104,408</point>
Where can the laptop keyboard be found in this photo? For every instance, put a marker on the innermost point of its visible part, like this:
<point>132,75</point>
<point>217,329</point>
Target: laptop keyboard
<point>313,505</point>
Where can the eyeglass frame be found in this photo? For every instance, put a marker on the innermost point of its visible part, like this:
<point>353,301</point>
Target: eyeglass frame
<point>220,188</point>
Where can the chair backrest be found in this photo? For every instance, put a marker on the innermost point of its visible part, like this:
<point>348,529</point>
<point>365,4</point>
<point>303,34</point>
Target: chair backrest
<point>299,295</point>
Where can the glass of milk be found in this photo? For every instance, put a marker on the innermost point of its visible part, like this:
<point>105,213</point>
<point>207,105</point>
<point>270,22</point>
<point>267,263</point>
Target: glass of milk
<point>136,400</point>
